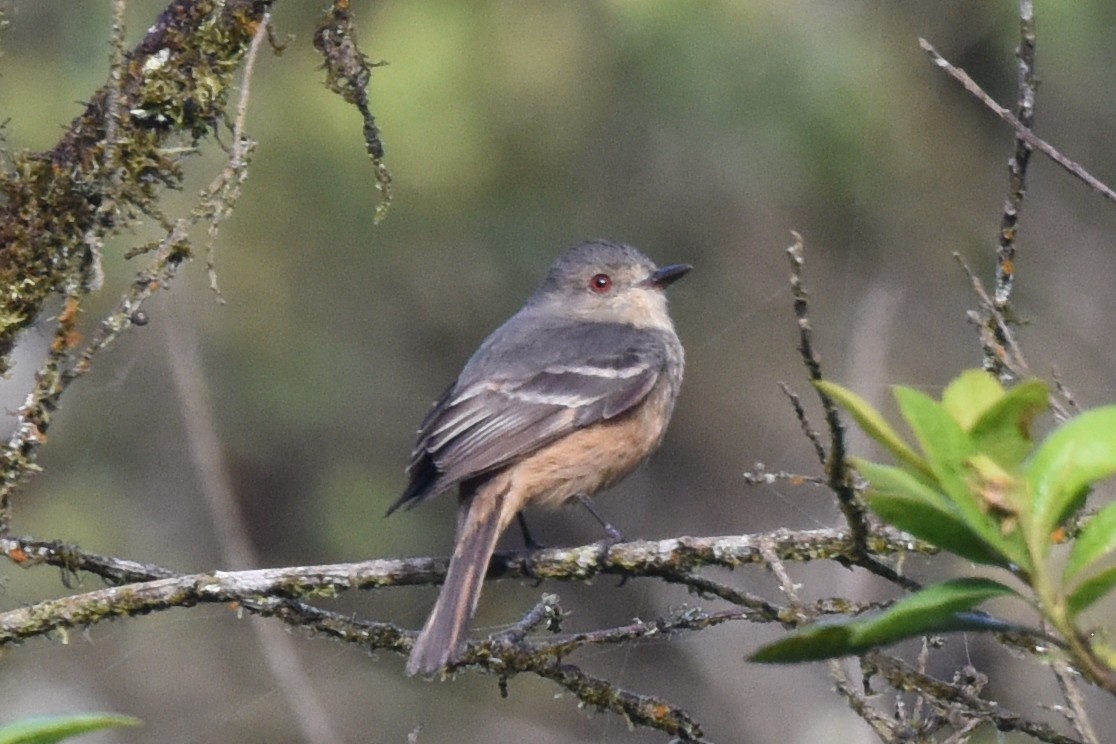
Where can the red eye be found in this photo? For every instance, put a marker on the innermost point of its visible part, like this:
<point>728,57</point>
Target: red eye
<point>600,283</point>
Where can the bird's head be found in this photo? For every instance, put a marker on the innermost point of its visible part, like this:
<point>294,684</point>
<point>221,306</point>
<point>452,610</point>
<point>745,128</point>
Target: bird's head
<point>606,282</point>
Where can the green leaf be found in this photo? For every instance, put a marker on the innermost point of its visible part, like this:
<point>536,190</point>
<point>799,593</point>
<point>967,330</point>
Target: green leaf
<point>949,452</point>
<point>1003,431</point>
<point>1090,590</point>
<point>944,443</point>
<point>938,527</point>
<point>823,640</point>
<point>972,393</point>
<point>900,499</point>
<point>934,609</point>
<point>1074,456</point>
<point>941,608</point>
<point>894,480</point>
<point>874,425</point>
<point>51,729</point>
<point>1096,540</point>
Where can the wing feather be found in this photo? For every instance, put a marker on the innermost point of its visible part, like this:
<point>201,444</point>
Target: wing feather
<point>497,413</point>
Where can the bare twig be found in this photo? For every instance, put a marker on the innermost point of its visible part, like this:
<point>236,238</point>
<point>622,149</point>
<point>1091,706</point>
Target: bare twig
<point>837,469</point>
<point>760,610</point>
<point>763,610</point>
<point>276,645</point>
<point>760,475</point>
<point>995,320</point>
<point>116,79</point>
<point>1021,131</point>
<point>998,339</point>
<point>683,619</point>
<point>1069,402</point>
<point>93,274</point>
<point>804,422</point>
<point>886,728</point>
<point>838,474</point>
<point>28,553</point>
<point>996,334</point>
<point>775,564</point>
<point>1077,715</point>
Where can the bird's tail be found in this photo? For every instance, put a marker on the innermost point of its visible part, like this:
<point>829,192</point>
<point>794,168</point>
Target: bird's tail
<point>477,535</point>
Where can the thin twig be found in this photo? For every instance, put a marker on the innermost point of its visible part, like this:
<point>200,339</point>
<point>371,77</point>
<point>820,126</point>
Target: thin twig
<point>1021,131</point>
<point>763,610</point>
<point>922,664</point>
<point>235,170</point>
<point>775,564</point>
<point>1077,714</point>
<point>836,464</point>
<point>887,729</point>
<point>881,724</point>
<point>947,697</point>
<point>277,647</point>
<point>111,174</point>
<point>1017,164</point>
<point>999,340</point>
<point>116,80</point>
<point>760,610</point>
<point>1002,343</point>
<point>1069,402</point>
<point>546,610</point>
<point>683,619</point>
<point>804,422</point>
<point>760,475</point>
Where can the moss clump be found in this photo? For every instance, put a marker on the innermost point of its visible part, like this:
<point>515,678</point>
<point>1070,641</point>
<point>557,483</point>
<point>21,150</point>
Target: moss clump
<point>56,207</point>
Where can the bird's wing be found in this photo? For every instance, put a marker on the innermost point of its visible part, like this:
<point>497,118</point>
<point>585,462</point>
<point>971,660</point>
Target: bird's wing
<point>486,420</point>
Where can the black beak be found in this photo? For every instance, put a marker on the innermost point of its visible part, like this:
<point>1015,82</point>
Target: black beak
<point>668,275</point>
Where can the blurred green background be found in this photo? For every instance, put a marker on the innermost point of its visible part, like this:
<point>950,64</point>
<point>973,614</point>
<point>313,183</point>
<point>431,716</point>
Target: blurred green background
<point>702,132</point>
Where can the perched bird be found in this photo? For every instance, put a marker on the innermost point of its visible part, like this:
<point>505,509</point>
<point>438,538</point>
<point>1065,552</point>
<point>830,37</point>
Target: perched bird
<point>567,397</point>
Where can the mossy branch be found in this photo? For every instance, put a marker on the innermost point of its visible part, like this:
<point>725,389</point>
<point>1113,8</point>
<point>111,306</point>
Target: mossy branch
<point>145,589</point>
<point>59,205</point>
<point>283,593</point>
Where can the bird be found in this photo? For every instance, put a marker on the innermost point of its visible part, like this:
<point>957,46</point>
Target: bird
<point>564,399</point>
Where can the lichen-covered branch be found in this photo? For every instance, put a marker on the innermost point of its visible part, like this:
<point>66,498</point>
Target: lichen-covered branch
<point>150,589</point>
<point>65,362</point>
<point>1017,164</point>
<point>59,204</point>
<point>950,698</point>
<point>348,73</point>
<point>283,593</point>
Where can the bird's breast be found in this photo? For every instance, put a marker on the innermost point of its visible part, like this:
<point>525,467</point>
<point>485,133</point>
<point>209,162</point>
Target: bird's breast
<point>595,457</point>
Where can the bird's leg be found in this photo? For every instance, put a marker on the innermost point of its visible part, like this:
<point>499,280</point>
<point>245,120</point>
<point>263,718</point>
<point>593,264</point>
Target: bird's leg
<point>613,535</point>
<point>529,540</point>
